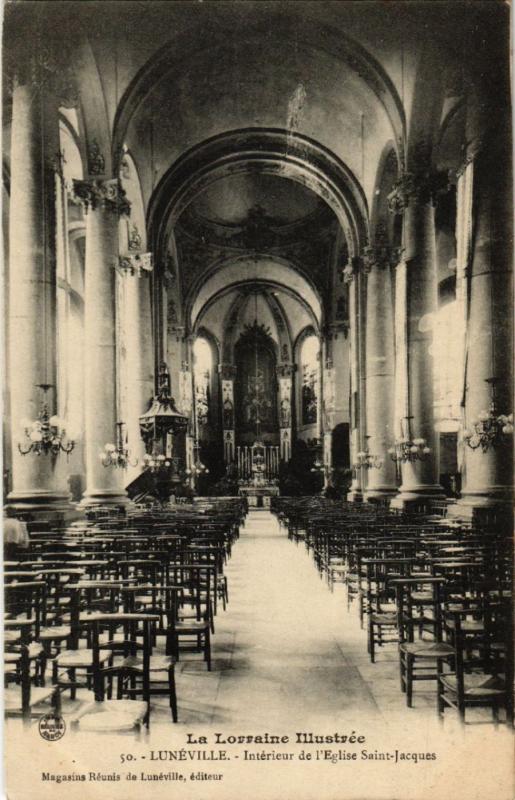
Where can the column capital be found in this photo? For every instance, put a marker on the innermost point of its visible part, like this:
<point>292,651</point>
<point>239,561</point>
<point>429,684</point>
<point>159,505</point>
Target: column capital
<point>380,255</point>
<point>139,264</point>
<point>99,193</point>
<point>227,372</point>
<point>417,187</point>
<point>285,370</point>
<point>351,269</point>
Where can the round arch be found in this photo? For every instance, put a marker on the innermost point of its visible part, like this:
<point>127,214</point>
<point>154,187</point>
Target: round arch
<point>246,270</point>
<point>271,151</point>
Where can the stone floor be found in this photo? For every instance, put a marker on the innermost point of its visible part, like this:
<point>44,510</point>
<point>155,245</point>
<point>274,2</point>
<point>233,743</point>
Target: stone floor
<point>288,657</point>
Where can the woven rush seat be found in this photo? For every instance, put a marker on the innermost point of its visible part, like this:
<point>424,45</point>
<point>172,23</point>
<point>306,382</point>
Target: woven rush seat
<point>56,632</point>
<point>77,658</point>
<point>476,684</point>
<point>427,649</point>
<point>12,697</point>
<point>34,651</point>
<point>469,625</point>
<point>158,663</point>
<point>386,618</point>
<point>108,716</point>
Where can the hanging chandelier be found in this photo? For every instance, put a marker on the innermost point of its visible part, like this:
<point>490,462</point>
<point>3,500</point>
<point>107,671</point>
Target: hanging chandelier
<point>47,433</point>
<point>407,449</point>
<point>490,428</point>
<point>117,455</point>
<point>367,460</point>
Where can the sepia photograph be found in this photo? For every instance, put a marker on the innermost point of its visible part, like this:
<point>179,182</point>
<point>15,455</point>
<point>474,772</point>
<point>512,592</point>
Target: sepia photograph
<point>257,360</point>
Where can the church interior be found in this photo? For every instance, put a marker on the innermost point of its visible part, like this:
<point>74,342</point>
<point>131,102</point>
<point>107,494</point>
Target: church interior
<point>259,362</point>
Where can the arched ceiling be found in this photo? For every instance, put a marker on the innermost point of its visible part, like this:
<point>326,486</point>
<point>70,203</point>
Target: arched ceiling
<point>247,273</point>
<point>227,202</point>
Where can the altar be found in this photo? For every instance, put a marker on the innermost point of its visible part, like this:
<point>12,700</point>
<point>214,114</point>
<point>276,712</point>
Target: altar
<point>259,486</point>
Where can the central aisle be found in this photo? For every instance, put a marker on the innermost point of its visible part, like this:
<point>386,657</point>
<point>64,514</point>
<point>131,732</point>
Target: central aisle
<point>278,647</point>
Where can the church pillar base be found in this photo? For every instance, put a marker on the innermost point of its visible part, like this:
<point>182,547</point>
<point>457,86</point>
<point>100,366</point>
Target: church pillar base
<point>414,498</point>
<point>103,497</point>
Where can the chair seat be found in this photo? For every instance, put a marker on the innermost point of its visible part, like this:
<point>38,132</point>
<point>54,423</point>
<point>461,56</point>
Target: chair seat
<point>389,618</point>
<point>78,658</point>
<point>35,650</point>
<point>427,649</point>
<point>422,597</point>
<point>476,684</point>
<point>12,697</point>
<point>55,632</point>
<point>469,625</point>
<point>111,715</point>
<point>191,625</point>
<point>158,663</point>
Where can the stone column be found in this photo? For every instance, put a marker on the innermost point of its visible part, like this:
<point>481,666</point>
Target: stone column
<point>380,370</point>
<point>351,275</point>
<point>38,482</point>
<point>137,348</point>
<point>103,202</point>
<point>413,195</point>
<point>285,380</point>
<point>228,374</point>
<point>489,475</point>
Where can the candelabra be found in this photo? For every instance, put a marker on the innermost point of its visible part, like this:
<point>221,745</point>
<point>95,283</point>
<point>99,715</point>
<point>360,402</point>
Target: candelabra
<point>156,463</point>
<point>46,434</point>
<point>408,449</point>
<point>490,428</point>
<point>197,468</point>
<point>117,455</point>
<point>367,460</point>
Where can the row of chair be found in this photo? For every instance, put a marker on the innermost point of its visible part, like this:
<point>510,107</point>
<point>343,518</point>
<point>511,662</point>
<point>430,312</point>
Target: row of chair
<point>436,590</point>
<point>113,604</point>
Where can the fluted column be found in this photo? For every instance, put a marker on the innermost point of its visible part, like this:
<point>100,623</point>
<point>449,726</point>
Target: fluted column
<point>103,202</point>
<point>380,371</point>
<point>228,374</point>
<point>137,346</point>
<point>38,482</point>
<point>488,476</point>
<point>414,196</point>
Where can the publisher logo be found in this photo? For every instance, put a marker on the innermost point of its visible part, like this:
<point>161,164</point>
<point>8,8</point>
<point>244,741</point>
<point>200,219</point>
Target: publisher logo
<point>52,727</point>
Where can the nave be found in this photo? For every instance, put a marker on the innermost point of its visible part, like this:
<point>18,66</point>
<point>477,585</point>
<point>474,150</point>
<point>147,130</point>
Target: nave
<point>227,617</point>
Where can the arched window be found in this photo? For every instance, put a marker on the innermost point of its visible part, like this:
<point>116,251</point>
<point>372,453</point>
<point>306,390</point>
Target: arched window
<point>202,371</point>
<point>309,375</point>
<point>447,353</point>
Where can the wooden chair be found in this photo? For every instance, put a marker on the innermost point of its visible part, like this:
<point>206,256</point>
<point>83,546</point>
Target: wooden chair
<point>125,660</point>
<point>191,621</point>
<point>419,659</point>
<point>474,680</point>
<point>21,699</point>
